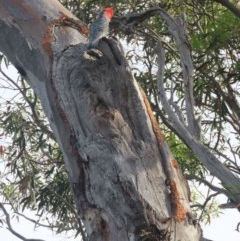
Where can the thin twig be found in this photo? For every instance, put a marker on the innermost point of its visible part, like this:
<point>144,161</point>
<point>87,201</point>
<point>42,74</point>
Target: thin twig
<point>10,226</point>
<point>208,184</point>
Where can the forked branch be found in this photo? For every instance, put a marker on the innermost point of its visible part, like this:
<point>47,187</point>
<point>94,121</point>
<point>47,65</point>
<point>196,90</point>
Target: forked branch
<point>229,181</point>
<point>10,226</point>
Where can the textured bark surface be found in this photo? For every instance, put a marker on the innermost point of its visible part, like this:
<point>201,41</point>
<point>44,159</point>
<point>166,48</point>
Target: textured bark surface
<point>116,156</point>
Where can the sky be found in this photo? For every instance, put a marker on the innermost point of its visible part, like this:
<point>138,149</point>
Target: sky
<point>26,229</point>
<point>220,229</point>
<point>223,228</point>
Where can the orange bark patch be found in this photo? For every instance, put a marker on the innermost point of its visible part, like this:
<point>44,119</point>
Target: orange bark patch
<point>74,23</point>
<point>179,210</point>
<point>63,20</point>
<point>174,163</point>
<point>159,135</point>
<point>47,40</point>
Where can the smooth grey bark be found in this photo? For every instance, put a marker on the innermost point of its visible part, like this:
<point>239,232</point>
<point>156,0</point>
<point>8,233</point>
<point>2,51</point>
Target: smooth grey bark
<point>116,156</point>
<point>188,130</point>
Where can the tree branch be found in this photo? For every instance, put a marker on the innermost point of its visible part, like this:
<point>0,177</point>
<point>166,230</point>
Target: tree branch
<point>32,104</point>
<point>211,186</point>
<point>10,226</point>
<point>83,233</point>
<point>229,181</point>
<point>229,6</point>
<point>203,206</point>
<point>35,222</point>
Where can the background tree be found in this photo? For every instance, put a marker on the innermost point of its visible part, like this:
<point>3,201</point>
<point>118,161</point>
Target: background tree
<point>214,41</point>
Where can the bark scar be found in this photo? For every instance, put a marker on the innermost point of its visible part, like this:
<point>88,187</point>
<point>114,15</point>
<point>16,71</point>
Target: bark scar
<point>179,210</point>
<point>63,20</point>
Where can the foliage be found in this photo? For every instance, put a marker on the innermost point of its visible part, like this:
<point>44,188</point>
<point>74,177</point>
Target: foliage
<point>39,180</point>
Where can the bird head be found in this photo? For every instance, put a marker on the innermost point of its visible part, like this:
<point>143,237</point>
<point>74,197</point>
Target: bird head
<point>109,12</point>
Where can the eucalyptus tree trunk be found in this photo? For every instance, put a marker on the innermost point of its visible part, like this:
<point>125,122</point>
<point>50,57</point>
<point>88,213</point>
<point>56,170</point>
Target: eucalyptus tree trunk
<point>125,181</point>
